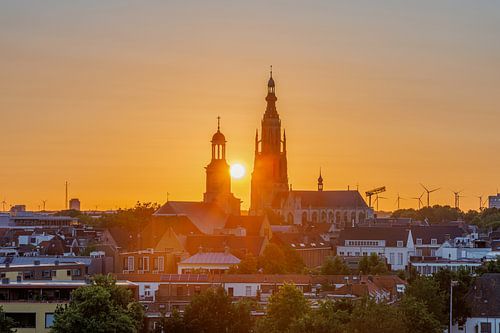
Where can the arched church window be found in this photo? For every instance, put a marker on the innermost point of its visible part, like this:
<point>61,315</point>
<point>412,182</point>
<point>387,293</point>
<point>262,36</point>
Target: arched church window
<point>315,217</point>
<point>353,217</point>
<point>323,217</point>
<point>289,219</point>
<point>330,217</point>
<point>337,217</point>
<point>304,217</point>
<point>361,217</point>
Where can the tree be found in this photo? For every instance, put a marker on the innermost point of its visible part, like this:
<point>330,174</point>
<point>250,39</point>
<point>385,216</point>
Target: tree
<point>416,318</point>
<point>492,266</point>
<point>371,317</point>
<point>248,265</point>
<point>427,290</point>
<point>7,324</point>
<point>100,307</point>
<point>272,260</point>
<point>172,324</point>
<point>285,306</point>
<point>372,265</point>
<point>213,311</point>
<point>334,266</point>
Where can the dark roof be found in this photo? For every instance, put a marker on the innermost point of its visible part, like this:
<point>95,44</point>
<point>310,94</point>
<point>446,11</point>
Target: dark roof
<point>320,199</point>
<point>484,296</point>
<point>205,216</point>
<point>390,234</point>
<point>159,225</point>
<point>426,233</point>
<point>252,224</point>
<point>239,245</point>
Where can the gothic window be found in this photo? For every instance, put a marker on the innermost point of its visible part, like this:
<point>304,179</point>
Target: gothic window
<point>323,217</point>
<point>315,217</point>
<point>353,217</point>
<point>330,217</point>
<point>337,217</point>
<point>361,217</point>
<point>345,217</point>
<point>304,217</point>
<point>290,218</point>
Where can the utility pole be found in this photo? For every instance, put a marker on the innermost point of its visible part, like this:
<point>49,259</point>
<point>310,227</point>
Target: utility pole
<point>66,202</point>
<point>452,284</point>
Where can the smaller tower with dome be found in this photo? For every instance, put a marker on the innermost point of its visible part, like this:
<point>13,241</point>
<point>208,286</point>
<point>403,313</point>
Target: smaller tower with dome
<point>218,179</point>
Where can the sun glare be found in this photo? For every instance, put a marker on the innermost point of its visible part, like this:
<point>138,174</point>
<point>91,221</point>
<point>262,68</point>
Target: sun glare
<point>237,171</point>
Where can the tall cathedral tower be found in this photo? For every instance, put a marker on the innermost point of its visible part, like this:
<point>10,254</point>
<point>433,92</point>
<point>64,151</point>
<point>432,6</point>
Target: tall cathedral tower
<point>269,176</point>
<point>218,188</point>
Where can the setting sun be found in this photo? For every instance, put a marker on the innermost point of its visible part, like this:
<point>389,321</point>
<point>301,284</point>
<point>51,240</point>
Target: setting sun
<point>237,171</point>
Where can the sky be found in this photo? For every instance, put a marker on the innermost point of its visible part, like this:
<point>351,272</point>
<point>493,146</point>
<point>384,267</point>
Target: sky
<point>121,98</point>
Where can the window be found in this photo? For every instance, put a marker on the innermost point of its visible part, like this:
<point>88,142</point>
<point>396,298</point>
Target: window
<point>230,291</point>
<point>391,258</point>
<point>400,258</point>
<point>400,244</point>
<point>23,320</point>
<point>485,327</point>
<point>418,252</point>
<point>434,241</point>
<point>180,291</point>
<point>197,290</point>
<point>68,272</point>
<point>161,264</point>
<point>419,241</point>
<point>49,319</point>
<point>145,263</point>
<point>248,291</point>
<point>130,263</point>
<point>77,272</point>
<point>46,274</point>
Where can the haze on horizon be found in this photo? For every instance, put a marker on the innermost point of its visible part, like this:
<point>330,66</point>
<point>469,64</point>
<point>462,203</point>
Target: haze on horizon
<point>120,98</point>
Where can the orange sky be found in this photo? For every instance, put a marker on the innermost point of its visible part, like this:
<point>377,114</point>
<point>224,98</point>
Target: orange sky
<point>121,98</point>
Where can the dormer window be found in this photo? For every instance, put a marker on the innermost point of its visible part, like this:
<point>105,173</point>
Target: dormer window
<point>434,241</point>
<point>400,243</point>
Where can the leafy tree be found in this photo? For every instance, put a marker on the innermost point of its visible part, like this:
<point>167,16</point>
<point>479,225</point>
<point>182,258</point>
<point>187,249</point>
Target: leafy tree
<point>172,324</point>
<point>130,218</point>
<point>416,317</point>
<point>428,291</point>
<point>214,312</point>
<point>248,265</point>
<point>371,317</point>
<point>334,266</point>
<point>7,324</point>
<point>372,264</point>
<point>100,307</point>
<point>464,280</point>
<point>272,260</point>
<point>492,266</point>
<point>285,307</point>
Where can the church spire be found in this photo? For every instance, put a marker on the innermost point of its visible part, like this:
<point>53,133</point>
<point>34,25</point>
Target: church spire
<point>320,181</point>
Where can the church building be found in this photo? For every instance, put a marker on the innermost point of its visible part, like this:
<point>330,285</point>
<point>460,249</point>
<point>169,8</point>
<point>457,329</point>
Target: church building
<point>270,189</point>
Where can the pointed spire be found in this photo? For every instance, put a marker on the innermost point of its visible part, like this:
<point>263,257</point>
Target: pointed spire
<point>284,141</point>
<point>218,123</point>
<point>320,181</point>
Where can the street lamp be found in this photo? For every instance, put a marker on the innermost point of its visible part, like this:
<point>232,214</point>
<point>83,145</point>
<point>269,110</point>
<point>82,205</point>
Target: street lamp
<point>452,284</point>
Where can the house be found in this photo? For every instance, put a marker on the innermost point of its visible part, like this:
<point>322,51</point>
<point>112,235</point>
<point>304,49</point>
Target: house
<point>245,225</point>
<point>430,265</point>
<point>483,300</point>
<point>149,261</point>
<point>208,262</point>
<point>31,304</point>
<point>393,243</point>
<point>311,242</point>
<point>428,239</point>
<point>240,246</point>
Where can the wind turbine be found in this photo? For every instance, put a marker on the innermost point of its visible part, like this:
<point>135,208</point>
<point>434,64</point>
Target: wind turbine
<point>429,193</point>
<point>398,199</point>
<point>481,202</point>
<point>457,198</point>
<point>419,199</point>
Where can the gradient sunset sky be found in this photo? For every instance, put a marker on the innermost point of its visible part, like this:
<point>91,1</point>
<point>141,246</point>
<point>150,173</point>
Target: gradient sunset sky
<point>120,98</point>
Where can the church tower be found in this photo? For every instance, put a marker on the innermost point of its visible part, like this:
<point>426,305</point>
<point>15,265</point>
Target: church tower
<point>218,187</point>
<point>269,176</point>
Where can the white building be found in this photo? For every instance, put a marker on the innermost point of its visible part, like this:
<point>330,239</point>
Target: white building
<point>394,243</point>
<point>494,201</point>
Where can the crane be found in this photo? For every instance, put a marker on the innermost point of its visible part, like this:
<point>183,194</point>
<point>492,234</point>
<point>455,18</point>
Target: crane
<point>375,191</point>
